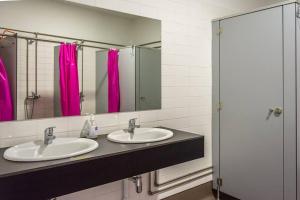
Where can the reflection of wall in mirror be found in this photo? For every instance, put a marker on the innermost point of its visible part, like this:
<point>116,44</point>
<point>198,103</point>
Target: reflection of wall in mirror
<point>146,30</point>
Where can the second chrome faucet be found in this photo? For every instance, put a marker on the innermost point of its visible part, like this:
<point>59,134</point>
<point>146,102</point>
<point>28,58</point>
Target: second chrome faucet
<point>131,127</point>
<point>48,135</point>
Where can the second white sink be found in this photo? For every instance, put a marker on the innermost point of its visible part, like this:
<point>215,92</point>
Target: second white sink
<point>60,148</point>
<point>141,135</point>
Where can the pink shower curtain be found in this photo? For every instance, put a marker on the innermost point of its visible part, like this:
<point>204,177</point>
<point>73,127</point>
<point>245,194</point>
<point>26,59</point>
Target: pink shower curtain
<point>6,105</point>
<point>69,84</point>
<point>113,81</point>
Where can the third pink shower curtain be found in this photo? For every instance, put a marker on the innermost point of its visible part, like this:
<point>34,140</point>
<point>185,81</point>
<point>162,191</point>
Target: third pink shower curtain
<point>113,81</point>
<point>69,83</point>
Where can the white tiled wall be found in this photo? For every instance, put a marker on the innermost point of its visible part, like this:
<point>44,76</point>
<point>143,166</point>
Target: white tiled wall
<point>186,88</point>
<point>45,74</point>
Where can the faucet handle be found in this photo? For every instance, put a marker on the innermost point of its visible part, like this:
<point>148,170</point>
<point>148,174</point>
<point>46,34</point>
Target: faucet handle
<point>132,121</point>
<point>50,130</point>
<point>48,135</point>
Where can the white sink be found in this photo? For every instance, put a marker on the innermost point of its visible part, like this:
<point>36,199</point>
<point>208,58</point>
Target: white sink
<point>60,148</point>
<point>141,135</point>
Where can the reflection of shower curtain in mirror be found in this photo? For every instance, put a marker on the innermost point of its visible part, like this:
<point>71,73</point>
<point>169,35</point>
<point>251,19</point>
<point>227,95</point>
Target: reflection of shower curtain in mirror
<point>6,105</point>
<point>113,81</point>
<point>69,84</point>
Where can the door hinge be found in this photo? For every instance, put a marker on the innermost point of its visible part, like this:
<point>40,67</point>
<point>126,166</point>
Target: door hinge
<point>219,182</point>
<point>220,31</point>
<point>298,12</point>
<point>220,106</point>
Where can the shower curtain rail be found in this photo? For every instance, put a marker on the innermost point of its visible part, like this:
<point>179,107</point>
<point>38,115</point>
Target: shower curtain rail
<point>149,43</point>
<point>50,41</point>
<point>64,37</point>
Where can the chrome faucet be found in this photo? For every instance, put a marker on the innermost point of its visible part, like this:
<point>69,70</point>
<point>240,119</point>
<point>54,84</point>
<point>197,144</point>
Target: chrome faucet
<point>131,127</point>
<point>48,135</point>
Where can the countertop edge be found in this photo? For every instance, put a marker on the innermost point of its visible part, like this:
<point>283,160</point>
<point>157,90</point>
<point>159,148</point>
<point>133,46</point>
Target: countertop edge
<point>77,160</point>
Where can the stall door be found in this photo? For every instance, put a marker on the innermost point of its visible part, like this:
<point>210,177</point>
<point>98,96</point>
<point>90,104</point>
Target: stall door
<point>148,69</point>
<point>251,92</point>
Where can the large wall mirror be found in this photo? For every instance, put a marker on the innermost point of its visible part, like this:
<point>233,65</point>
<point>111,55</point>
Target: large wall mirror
<point>59,58</point>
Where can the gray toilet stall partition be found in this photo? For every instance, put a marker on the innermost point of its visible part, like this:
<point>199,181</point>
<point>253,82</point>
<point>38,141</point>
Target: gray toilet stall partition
<point>254,108</point>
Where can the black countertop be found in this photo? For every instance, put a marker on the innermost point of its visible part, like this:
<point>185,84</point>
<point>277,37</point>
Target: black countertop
<point>109,162</point>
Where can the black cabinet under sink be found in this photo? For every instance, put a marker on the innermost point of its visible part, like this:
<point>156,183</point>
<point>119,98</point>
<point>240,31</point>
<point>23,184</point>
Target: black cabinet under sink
<point>110,162</point>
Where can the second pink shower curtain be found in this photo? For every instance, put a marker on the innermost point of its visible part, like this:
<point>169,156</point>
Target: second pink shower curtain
<point>69,84</point>
<point>113,81</point>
